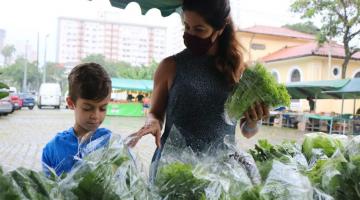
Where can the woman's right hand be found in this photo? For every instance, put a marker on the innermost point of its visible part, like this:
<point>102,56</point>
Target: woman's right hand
<point>151,126</point>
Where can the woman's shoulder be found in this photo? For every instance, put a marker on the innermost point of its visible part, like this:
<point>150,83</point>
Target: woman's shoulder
<point>167,65</point>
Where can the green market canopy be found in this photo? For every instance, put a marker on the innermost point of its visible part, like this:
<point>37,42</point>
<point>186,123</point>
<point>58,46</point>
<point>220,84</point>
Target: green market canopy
<point>350,91</point>
<point>315,89</point>
<point>132,84</point>
<point>166,7</point>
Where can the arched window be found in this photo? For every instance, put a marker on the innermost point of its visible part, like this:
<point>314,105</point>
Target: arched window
<point>357,75</point>
<point>295,76</point>
<point>275,75</point>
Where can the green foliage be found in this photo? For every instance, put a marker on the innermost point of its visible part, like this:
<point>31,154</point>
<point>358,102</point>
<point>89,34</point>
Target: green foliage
<point>7,52</point>
<point>33,185</point>
<point>307,27</point>
<point>256,85</point>
<point>252,194</point>
<point>337,177</point>
<point>7,189</point>
<point>13,74</point>
<point>176,181</point>
<point>327,144</point>
<point>56,74</point>
<point>123,69</point>
<point>264,153</point>
<point>3,93</point>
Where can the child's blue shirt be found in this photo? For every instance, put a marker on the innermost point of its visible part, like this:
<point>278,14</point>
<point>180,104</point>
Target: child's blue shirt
<point>63,151</point>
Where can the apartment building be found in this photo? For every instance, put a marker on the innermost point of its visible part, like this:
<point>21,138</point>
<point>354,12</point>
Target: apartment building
<point>137,44</point>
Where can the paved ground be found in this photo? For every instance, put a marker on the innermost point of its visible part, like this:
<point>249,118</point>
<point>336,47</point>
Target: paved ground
<point>24,133</point>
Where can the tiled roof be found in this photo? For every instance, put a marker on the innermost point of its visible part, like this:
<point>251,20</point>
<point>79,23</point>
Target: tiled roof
<point>278,31</point>
<point>309,49</point>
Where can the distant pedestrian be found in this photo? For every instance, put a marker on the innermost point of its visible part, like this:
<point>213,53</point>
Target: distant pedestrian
<point>140,97</point>
<point>311,103</point>
<point>129,97</point>
<point>146,104</point>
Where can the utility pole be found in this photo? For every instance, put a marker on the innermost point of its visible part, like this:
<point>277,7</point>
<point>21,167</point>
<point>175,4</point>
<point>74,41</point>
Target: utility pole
<point>37,51</point>
<point>25,68</point>
<point>44,73</point>
<point>329,60</point>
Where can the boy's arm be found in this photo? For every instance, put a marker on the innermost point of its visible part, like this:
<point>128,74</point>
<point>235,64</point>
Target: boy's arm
<point>45,161</point>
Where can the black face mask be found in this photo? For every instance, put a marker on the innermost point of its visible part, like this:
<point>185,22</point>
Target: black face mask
<point>198,46</point>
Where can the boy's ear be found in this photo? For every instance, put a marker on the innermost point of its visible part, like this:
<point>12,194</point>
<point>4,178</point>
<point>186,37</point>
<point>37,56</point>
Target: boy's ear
<point>70,103</point>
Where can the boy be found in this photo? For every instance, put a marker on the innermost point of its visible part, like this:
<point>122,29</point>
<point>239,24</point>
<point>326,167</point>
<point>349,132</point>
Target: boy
<point>89,94</point>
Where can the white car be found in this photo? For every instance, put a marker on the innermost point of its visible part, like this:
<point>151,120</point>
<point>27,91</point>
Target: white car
<point>49,95</point>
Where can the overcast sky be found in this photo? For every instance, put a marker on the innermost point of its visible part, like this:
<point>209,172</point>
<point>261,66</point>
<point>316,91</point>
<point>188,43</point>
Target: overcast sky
<point>23,19</point>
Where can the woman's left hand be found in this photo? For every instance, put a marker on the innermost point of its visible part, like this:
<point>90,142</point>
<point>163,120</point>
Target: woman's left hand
<point>256,112</point>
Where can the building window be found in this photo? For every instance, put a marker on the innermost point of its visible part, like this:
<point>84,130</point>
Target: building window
<point>295,76</point>
<point>276,75</point>
<point>257,46</point>
<point>357,75</point>
<point>336,72</point>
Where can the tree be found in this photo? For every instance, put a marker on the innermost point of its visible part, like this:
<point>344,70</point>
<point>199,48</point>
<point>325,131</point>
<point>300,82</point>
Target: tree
<point>307,27</point>
<point>96,58</point>
<point>123,69</point>
<point>8,52</point>
<point>56,74</point>
<point>112,68</point>
<point>13,75</point>
<point>340,18</point>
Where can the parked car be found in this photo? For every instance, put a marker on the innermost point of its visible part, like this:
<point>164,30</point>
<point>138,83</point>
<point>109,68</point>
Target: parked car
<point>14,99</point>
<point>6,107</point>
<point>28,100</point>
<point>49,95</point>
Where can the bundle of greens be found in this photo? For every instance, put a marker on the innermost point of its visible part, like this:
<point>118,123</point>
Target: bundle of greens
<point>339,175</point>
<point>264,153</point>
<point>256,85</point>
<point>108,173</point>
<point>222,174</point>
<point>177,181</point>
<point>317,145</point>
<point>26,184</point>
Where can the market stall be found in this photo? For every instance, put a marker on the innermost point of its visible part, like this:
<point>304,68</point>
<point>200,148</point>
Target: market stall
<point>122,89</point>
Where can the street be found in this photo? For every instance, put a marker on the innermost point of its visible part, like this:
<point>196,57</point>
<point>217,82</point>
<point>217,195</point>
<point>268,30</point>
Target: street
<point>24,133</point>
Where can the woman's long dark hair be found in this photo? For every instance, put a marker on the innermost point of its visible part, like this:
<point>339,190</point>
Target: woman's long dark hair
<point>229,58</point>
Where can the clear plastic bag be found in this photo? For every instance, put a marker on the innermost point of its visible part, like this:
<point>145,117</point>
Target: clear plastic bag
<point>107,173</point>
<point>221,172</point>
<point>285,182</point>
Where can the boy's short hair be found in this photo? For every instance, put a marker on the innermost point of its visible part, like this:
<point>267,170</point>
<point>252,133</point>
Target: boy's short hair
<point>89,81</point>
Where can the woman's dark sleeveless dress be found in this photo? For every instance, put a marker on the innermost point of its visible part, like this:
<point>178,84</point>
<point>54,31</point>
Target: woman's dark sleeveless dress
<point>196,104</point>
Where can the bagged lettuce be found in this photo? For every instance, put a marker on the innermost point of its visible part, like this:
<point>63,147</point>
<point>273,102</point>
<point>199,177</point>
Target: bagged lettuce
<point>256,85</point>
<point>107,173</point>
<point>317,144</point>
<point>285,182</point>
<point>214,175</point>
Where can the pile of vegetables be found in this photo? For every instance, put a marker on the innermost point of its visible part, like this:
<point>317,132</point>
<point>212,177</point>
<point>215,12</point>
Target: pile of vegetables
<point>322,167</point>
<point>107,173</point>
<point>256,85</point>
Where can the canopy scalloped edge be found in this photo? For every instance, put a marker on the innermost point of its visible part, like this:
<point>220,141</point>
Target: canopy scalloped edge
<point>166,7</point>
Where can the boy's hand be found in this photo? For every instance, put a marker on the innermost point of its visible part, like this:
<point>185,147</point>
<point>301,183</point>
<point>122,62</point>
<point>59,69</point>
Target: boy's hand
<point>151,126</point>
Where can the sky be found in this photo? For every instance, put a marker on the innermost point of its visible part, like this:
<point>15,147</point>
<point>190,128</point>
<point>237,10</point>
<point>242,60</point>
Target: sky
<point>23,20</point>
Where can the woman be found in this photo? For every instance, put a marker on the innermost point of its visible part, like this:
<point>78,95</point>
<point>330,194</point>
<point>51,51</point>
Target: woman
<point>191,87</point>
